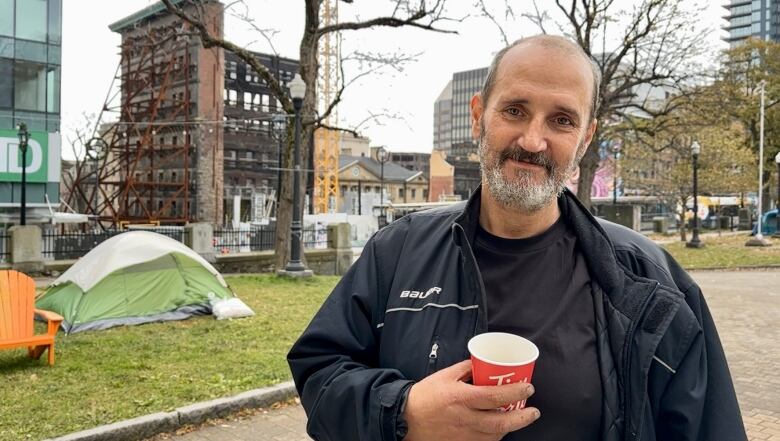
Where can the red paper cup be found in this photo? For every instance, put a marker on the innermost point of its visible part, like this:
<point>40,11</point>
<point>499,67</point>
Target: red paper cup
<point>499,358</point>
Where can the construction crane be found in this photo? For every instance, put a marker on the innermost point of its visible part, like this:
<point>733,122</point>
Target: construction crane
<point>326,142</point>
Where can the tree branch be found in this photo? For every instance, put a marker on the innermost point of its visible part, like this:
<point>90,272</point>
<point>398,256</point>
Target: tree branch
<point>339,129</point>
<point>413,20</point>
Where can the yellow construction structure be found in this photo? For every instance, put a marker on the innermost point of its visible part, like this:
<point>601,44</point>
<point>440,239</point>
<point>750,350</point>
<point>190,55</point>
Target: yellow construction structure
<point>326,142</point>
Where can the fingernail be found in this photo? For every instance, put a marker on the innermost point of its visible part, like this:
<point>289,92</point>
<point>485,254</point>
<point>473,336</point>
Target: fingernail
<point>537,414</point>
<point>530,389</point>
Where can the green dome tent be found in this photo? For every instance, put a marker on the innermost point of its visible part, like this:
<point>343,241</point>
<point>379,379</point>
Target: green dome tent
<point>133,278</point>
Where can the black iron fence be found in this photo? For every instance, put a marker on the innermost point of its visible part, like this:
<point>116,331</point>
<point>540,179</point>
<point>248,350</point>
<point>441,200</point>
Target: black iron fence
<point>243,240</point>
<point>59,245</point>
<point>316,237</point>
<point>263,238</point>
<point>72,245</point>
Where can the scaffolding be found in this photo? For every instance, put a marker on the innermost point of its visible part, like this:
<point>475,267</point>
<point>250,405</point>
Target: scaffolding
<point>326,142</point>
<point>144,176</point>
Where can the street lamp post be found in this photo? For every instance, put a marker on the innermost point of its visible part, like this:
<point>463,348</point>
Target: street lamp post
<point>24,138</point>
<point>695,242</point>
<point>382,156</point>
<point>777,202</point>
<point>758,240</point>
<point>294,266</point>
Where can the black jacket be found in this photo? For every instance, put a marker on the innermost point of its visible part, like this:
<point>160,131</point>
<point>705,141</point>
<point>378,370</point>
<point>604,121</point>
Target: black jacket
<point>417,284</point>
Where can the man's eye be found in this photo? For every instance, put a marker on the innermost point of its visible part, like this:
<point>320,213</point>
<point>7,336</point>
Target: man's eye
<point>564,121</point>
<point>514,111</point>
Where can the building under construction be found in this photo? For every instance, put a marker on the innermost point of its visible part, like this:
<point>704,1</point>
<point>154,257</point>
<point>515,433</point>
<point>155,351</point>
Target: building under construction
<point>193,129</point>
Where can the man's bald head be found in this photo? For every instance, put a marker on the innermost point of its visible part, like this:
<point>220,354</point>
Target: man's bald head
<point>551,42</point>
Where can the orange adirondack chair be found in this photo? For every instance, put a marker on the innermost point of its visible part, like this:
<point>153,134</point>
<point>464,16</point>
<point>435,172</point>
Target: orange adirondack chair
<point>17,311</point>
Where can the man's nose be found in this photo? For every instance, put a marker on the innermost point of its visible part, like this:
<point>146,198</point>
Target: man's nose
<point>532,139</point>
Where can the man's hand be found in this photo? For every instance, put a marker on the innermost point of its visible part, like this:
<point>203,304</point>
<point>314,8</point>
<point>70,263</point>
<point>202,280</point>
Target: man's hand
<point>443,407</point>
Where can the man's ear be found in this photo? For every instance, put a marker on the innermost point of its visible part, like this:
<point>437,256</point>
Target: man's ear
<point>476,115</point>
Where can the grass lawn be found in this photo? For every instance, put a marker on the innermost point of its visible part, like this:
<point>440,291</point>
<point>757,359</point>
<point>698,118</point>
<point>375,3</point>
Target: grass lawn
<point>107,376</point>
<point>725,252</point>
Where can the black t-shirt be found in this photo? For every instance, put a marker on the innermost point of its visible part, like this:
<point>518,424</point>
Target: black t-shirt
<point>539,288</point>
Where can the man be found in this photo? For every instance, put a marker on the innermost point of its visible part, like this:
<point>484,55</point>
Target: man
<point>628,350</point>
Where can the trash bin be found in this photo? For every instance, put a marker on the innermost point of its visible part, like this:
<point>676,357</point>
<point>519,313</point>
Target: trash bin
<point>660,224</point>
<point>725,222</point>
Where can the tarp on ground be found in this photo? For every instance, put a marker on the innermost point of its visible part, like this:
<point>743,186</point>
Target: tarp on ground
<point>133,278</point>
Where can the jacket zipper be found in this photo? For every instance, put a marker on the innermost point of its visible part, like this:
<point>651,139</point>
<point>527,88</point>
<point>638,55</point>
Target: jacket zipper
<point>480,283</point>
<point>629,435</point>
<point>433,356</point>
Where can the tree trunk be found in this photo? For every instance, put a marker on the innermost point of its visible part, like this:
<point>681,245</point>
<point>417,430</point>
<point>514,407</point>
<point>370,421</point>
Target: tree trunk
<point>284,211</point>
<point>588,167</point>
<point>308,69</point>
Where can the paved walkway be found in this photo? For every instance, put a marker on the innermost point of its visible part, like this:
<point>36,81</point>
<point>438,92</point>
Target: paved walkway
<point>746,307</point>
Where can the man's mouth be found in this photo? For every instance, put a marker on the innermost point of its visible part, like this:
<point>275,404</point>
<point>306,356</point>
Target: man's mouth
<point>525,163</point>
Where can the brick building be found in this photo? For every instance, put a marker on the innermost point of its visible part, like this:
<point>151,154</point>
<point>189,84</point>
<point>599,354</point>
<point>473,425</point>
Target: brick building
<point>207,127</point>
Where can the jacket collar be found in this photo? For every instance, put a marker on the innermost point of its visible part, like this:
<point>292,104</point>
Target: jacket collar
<point>595,245</point>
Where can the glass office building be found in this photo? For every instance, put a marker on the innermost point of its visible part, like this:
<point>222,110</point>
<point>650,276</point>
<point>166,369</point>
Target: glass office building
<point>30,58</point>
<point>752,18</point>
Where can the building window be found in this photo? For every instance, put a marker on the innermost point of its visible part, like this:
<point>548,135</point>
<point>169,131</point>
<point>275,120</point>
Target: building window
<point>6,82</point>
<point>247,101</point>
<point>231,154</point>
<point>31,20</point>
<point>413,193</point>
<point>250,154</point>
<point>232,67</point>
<point>55,21</point>
<point>232,97</point>
<point>7,17</point>
<point>31,91</point>
<point>174,211</point>
<point>250,182</point>
<point>265,103</point>
<point>425,194</point>
<point>173,177</point>
<point>343,189</point>
<point>376,190</point>
<point>400,192</point>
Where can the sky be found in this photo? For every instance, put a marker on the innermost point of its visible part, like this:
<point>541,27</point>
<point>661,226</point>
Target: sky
<point>406,94</point>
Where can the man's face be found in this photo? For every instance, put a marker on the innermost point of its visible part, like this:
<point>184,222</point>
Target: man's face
<point>534,128</point>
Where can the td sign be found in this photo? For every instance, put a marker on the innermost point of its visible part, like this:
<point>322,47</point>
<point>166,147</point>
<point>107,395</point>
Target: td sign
<point>11,157</point>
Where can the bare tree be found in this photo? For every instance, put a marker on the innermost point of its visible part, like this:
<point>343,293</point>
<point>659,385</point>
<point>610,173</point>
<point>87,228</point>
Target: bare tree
<point>422,14</point>
<point>658,46</point>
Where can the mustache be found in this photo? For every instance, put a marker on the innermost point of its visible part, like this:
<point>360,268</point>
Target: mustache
<point>536,158</point>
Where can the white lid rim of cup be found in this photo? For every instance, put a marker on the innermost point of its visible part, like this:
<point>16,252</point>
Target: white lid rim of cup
<point>529,360</point>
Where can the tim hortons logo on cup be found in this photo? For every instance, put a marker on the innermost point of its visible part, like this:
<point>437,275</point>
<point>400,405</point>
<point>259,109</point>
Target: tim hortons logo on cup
<point>505,379</point>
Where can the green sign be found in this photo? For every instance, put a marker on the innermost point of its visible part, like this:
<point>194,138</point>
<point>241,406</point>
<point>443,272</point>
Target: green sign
<point>11,157</point>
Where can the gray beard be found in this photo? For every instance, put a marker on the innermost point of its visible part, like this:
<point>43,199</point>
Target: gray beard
<point>521,192</point>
